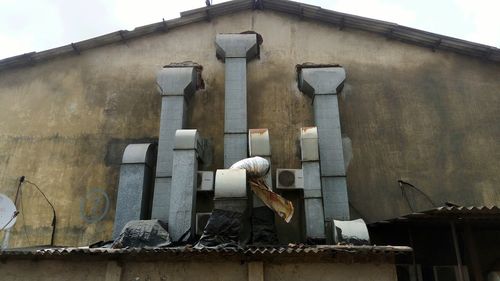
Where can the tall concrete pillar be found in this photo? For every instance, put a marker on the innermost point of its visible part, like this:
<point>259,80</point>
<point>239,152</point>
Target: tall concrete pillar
<point>323,85</point>
<point>134,188</point>
<point>235,50</point>
<point>182,214</point>
<point>176,84</point>
<point>313,199</point>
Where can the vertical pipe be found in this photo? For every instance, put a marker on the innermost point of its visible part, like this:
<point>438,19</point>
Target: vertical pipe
<point>259,145</point>
<point>413,258</point>
<point>472,251</point>
<point>323,85</point>
<point>313,199</point>
<point>457,251</point>
<point>235,50</point>
<point>134,187</point>
<point>182,214</point>
<point>176,85</point>
<point>263,225</point>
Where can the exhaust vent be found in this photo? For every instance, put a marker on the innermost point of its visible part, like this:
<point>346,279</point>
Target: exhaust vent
<point>289,179</point>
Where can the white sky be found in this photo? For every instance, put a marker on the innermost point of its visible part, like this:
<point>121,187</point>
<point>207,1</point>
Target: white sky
<point>37,25</point>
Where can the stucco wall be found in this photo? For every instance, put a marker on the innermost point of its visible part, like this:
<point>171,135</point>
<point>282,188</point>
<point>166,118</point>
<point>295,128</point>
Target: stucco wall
<point>430,118</point>
<point>59,270</point>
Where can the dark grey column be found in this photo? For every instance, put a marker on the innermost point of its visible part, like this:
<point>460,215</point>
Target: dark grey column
<point>182,214</point>
<point>134,188</point>
<point>313,199</point>
<point>176,85</point>
<point>235,50</point>
<point>323,84</point>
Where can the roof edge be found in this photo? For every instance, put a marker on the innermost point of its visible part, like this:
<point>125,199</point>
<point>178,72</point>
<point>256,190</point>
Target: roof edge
<point>389,30</point>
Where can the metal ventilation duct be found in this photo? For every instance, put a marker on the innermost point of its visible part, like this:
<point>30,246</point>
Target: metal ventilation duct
<point>323,83</point>
<point>134,188</point>
<point>235,50</point>
<point>350,232</point>
<point>182,214</point>
<point>176,84</point>
<point>259,145</point>
<point>313,199</point>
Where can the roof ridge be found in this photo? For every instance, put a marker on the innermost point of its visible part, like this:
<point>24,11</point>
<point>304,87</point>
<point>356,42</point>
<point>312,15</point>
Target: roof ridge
<point>342,20</point>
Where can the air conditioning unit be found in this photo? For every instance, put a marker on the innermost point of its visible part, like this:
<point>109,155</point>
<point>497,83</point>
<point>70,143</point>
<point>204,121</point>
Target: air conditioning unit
<point>449,272</point>
<point>205,181</point>
<point>201,222</point>
<point>289,179</point>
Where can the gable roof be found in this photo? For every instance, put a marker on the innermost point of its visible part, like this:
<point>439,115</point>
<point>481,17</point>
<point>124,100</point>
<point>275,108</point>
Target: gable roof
<point>304,11</point>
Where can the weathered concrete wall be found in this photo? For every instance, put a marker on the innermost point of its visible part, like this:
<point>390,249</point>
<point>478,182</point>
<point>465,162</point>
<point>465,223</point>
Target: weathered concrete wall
<point>59,270</point>
<point>430,118</point>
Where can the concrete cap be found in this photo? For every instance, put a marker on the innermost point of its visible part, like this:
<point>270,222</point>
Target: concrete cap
<point>186,139</point>
<point>321,80</point>
<point>237,45</point>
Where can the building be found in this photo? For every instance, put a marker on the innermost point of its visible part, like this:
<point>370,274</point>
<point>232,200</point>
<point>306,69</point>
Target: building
<point>415,107</point>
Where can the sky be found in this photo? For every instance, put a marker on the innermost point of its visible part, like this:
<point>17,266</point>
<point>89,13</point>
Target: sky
<point>37,25</point>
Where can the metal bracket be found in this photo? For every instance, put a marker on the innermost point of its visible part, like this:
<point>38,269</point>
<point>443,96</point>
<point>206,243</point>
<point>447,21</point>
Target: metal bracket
<point>342,23</point>
<point>75,48</point>
<point>122,36</point>
<point>258,5</point>
<point>436,45</point>
<point>164,24</point>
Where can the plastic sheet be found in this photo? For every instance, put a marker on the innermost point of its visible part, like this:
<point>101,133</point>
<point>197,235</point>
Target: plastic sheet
<point>143,234</point>
<point>222,230</point>
<point>263,229</point>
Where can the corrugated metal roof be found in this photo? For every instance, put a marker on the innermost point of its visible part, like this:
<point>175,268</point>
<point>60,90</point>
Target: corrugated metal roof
<point>366,253</point>
<point>342,20</point>
<point>491,213</point>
